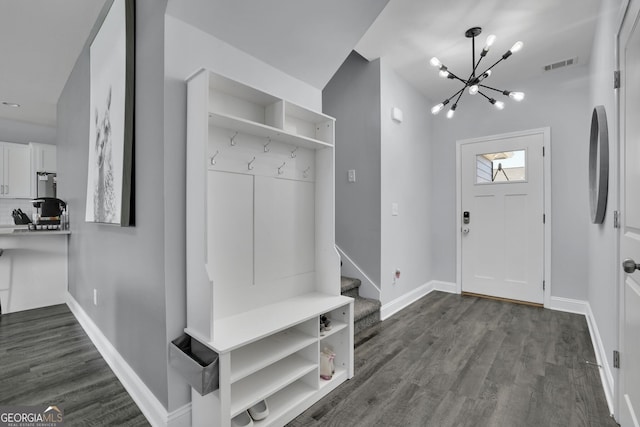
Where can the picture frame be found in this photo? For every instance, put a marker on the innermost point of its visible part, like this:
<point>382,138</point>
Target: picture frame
<point>110,183</point>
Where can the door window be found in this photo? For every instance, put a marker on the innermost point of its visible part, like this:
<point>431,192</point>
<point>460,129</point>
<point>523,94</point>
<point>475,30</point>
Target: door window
<point>502,167</point>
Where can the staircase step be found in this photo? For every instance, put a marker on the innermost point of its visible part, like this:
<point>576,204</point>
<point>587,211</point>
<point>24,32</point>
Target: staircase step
<point>366,313</point>
<point>349,286</point>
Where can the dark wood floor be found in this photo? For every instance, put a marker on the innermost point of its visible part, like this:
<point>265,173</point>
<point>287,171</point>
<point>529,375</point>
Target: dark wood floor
<point>47,359</point>
<point>449,360</point>
<point>446,360</point>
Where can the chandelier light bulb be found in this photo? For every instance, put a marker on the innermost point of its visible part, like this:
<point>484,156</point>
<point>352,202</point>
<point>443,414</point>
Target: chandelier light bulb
<point>435,62</point>
<point>450,113</point>
<point>473,89</point>
<point>490,40</point>
<point>516,47</point>
<point>435,110</point>
<point>444,73</point>
<point>516,96</point>
<point>499,105</point>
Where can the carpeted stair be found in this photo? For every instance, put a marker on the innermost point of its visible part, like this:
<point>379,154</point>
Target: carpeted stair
<point>366,311</point>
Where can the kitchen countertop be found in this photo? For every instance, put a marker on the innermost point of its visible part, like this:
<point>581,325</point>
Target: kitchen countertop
<point>22,230</point>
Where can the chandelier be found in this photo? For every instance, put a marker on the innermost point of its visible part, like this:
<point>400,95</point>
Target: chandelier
<point>475,80</point>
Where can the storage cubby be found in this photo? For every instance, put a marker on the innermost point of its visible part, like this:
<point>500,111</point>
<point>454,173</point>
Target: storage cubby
<point>261,259</point>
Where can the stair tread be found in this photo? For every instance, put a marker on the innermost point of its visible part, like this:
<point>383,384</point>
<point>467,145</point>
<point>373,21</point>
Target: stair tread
<point>363,307</point>
<point>348,283</point>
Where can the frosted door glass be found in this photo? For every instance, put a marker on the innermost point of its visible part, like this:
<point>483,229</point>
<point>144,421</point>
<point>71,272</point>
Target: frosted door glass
<point>230,228</point>
<point>284,228</point>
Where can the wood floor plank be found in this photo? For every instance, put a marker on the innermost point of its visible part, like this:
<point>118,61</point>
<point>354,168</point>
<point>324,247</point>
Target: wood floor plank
<point>448,360</point>
<point>46,358</point>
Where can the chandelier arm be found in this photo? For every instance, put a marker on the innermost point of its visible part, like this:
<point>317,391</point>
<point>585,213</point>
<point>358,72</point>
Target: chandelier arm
<point>493,88</point>
<point>461,92</point>
<point>473,73</point>
<point>494,64</point>
<point>458,78</point>
<point>456,94</point>
<point>488,98</point>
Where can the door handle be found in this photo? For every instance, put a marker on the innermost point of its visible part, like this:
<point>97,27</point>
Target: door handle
<point>465,230</point>
<point>629,266</point>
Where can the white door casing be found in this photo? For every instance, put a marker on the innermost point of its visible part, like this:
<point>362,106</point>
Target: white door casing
<point>629,283</point>
<point>501,251</point>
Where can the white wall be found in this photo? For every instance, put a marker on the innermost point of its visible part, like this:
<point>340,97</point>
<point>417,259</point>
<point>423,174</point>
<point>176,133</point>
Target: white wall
<point>602,264</point>
<point>559,100</point>
<point>186,50</point>
<point>405,179</point>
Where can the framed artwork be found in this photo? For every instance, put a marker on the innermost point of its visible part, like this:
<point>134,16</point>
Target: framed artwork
<point>112,79</point>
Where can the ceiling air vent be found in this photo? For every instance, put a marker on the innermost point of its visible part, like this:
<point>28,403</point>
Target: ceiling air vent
<point>560,64</point>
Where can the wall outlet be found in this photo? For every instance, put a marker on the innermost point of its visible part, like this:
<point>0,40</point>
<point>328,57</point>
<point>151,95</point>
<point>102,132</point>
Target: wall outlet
<point>352,175</point>
<point>95,297</point>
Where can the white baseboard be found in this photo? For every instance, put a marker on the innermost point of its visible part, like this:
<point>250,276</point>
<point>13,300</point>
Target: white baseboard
<point>606,375</point>
<point>584,308</point>
<point>449,287</point>
<point>368,288</point>
<point>149,405</point>
<point>389,309</point>
<point>568,305</point>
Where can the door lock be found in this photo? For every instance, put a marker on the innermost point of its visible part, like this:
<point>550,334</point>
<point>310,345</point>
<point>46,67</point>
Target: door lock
<point>466,217</point>
<point>629,266</point>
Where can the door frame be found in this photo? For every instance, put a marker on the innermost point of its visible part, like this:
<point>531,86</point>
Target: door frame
<point>628,10</point>
<point>546,200</point>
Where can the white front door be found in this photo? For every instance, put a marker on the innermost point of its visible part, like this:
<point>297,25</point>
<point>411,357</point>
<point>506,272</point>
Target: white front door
<point>502,207</point>
<point>629,378</point>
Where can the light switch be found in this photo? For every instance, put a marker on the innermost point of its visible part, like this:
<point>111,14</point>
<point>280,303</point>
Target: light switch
<point>394,209</point>
<point>352,175</point>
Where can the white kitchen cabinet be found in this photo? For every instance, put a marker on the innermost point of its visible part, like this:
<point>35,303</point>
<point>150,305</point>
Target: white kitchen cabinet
<point>261,259</point>
<point>43,157</point>
<point>15,171</point>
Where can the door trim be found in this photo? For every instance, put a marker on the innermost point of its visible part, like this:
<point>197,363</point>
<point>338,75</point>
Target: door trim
<point>546,177</point>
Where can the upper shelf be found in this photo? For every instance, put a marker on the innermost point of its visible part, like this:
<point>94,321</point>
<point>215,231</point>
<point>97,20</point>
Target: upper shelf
<point>242,108</point>
<point>241,125</point>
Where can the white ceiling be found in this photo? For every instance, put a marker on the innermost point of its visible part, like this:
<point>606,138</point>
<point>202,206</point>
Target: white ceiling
<point>409,32</point>
<point>307,39</point>
<point>41,41</point>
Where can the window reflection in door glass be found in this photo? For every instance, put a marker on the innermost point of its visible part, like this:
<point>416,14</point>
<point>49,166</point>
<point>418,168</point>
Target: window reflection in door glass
<point>506,166</point>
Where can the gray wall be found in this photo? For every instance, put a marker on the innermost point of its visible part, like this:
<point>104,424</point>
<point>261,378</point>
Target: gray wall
<point>125,265</point>
<point>559,100</point>
<point>352,96</point>
<point>23,132</point>
<point>406,180</point>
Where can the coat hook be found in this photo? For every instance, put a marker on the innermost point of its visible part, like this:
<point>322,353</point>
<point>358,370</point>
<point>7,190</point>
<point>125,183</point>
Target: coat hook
<point>233,139</point>
<point>213,158</point>
<point>306,171</point>
<point>250,164</point>
<point>293,153</point>
<point>280,171</point>
<point>266,146</point>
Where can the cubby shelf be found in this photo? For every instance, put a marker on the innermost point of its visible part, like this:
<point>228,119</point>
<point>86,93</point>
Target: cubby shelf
<point>284,401</point>
<point>241,125</point>
<point>336,326</point>
<point>251,390</point>
<point>253,357</point>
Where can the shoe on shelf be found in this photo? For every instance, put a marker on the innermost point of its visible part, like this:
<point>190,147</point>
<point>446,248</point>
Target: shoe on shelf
<point>242,420</point>
<point>259,411</point>
<point>326,322</point>
<point>327,368</point>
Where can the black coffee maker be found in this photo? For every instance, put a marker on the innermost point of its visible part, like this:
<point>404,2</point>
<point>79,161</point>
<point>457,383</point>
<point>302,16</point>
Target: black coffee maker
<point>49,211</point>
